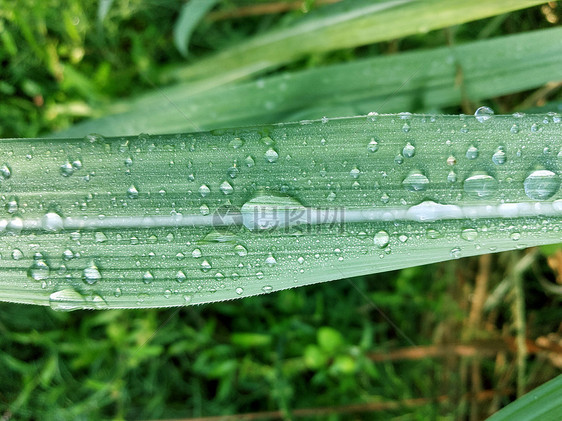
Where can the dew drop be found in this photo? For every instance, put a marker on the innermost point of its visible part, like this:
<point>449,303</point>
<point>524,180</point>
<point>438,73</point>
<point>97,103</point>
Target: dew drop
<point>270,260</point>
<point>409,150</point>
<point>66,300</point>
<point>541,184</point>
<point>52,222</point>
<point>232,172</point>
<point>204,209</point>
<point>381,239</point>
<point>373,145</point>
<point>17,254</point>
<point>452,177</point>
<point>236,143</point>
<point>226,188</point>
<point>5,172</point>
<point>239,290</point>
<point>267,289</point>
<point>67,169</point>
<point>415,181</point>
<point>132,192</point>
<point>499,157</point>
<point>39,269</point>
<point>249,161</point>
<point>205,266</point>
<point>91,274</point>
<point>271,155</point>
<point>481,186</point>
<point>204,190</point>
<point>147,277</point>
<point>241,250</point>
<point>483,114</point>
<point>515,236</point>
<point>469,234</point>
<point>355,172</point>
<point>14,225</point>
<point>472,152</point>
<point>456,253</point>
<point>180,276</point>
<point>196,253</point>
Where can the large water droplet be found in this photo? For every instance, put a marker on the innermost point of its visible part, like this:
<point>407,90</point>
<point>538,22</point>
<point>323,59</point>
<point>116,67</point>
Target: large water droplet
<point>481,186</point>
<point>39,269</point>
<point>272,212</point>
<point>415,181</point>
<point>147,277</point>
<point>205,266</point>
<point>469,234</point>
<point>270,260</point>
<point>67,169</point>
<point>241,250</point>
<point>204,190</point>
<point>52,222</point>
<point>381,239</point>
<point>66,300</point>
<point>483,114</point>
<point>541,184</point>
<point>472,152</point>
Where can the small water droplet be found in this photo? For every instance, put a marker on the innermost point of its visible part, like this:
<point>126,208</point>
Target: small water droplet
<point>535,128</point>
<point>196,253</point>
<point>117,293</point>
<point>180,276</point>
<point>452,177</point>
<point>17,254</point>
<point>39,269</point>
<point>226,188</point>
<point>541,184</point>
<point>241,250</point>
<point>398,159</point>
<point>409,150</point>
<point>451,160</point>
<point>5,172</point>
<point>100,237</point>
<point>249,161</point>
<point>373,145</point>
<point>239,290</point>
<point>381,239</point>
<point>415,181</point>
<point>514,129</point>
<point>267,289</point>
<point>515,236</point>
<point>481,186</point>
<point>233,171</point>
<point>483,114</point>
<point>204,190</point>
<point>456,252</point>
<point>67,169</point>
<point>236,143</point>
<point>469,234</point>
<point>147,277</point>
<point>91,274</point>
<point>270,260</point>
<point>355,172</point>
<point>499,157</point>
<point>205,266</point>
<point>271,155</point>
<point>132,192</point>
<point>472,152</point>
<point>204,209</point>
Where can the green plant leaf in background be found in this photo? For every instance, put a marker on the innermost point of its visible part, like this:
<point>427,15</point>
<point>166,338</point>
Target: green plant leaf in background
<point>421,81</point>
<point>167,220</point>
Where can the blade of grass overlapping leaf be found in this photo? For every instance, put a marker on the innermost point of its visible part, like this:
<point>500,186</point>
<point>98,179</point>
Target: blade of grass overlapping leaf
<point>341,25</point>
<point>409,81</point>
<point>156,221</point>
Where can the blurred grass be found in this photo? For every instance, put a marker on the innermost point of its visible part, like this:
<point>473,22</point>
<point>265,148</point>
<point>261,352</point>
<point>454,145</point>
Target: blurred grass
<point>316,347</point>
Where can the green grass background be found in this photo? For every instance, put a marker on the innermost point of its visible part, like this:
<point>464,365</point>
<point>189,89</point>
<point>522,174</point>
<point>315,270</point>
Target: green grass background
<point>312,347</point>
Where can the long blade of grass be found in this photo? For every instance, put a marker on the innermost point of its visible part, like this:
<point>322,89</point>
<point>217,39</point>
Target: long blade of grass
<point>544,404</point>
<point>191,14</point>
<point>410,81</point>
<point>156,221</point>
<point>342,25</point>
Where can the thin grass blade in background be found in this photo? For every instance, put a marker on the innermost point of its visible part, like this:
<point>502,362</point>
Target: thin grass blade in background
<point>191,14</point>
<point>341,25</point>
<point>169,220</point>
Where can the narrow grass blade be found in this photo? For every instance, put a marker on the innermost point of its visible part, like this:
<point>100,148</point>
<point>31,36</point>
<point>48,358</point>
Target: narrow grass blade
<point>156,221</point>
<point>350,24</point>
<point>542,404</point>
<point>411,81</point>
<point>190,15</point>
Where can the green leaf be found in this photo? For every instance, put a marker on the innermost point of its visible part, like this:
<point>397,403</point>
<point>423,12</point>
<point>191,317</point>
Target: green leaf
<point>420,81</point>
<point>345,25</point>
<point>190,16</point>
<point>169,220</point>
<point>543,403</point>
